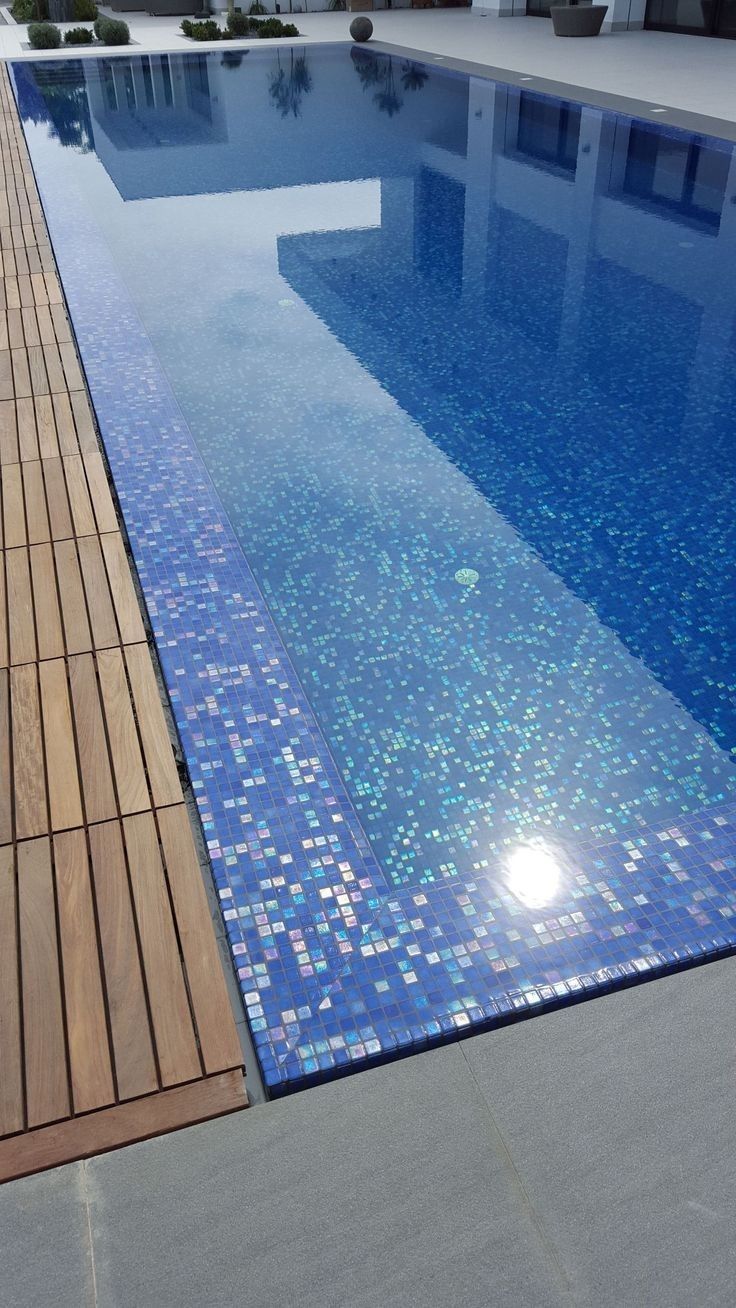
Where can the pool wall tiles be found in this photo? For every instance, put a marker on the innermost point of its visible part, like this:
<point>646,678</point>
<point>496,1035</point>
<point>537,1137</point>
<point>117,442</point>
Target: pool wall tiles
<point>334,965</point>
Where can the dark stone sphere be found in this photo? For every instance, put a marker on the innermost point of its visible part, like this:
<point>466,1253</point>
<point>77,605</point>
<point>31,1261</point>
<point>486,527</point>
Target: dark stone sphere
<point>361,29</point>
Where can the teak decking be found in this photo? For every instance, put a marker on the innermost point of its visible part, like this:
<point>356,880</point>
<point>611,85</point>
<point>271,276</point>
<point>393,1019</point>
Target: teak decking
<point>115,1020</point>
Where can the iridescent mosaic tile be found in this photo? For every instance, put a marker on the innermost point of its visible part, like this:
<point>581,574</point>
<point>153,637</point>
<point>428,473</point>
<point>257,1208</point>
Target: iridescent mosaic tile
<point>407,580</point>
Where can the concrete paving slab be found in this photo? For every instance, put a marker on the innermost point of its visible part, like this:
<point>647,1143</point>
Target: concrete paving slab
<point>388,1188</point>
<point>620,1116</point>
<point>45,1251</point>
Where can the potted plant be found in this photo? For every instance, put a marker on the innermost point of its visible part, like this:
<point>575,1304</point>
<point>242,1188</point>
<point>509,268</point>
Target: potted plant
<point>573,19</point>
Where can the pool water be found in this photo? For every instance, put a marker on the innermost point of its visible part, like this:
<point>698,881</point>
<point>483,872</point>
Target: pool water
<point>418,391</point>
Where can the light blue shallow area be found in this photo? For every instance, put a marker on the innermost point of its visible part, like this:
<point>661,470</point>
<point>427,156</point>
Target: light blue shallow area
<point>418,392</point>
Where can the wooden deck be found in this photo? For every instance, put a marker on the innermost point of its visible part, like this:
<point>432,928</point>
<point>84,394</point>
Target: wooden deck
<point>115,1020</point>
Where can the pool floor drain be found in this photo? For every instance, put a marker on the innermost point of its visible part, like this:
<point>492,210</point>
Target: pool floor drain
<point>467,576</point>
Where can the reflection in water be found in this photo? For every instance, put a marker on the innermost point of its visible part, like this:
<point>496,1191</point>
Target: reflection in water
<point>378,71</point>
<point>57,97</point>
<point>288,85</point>
<point>534,875</point>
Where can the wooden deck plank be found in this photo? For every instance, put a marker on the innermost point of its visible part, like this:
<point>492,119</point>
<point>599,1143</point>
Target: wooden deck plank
<point>36,363</point>
<point>105,515</point>
<point>21,622</point>
<point>127,611</point>
<point>135,1065</point>
<point>49,631</point>
<point>4,649</point>
<point>47,1086</point>
<point>77,634</point>
<point>89,1055</point>
<point>14,515</point>
<point>5,768</point>
<point>6,370</point>
<point>11,1050</point>
<point>37,518</point>
<point>8,432</point>
<point>6,791</point>
<point>28,443</point>
<point>97,590</point>
<point>83,516</point>
<point>163,777</point>
<point>48,443</point>
<point>60,518</point>
<point>65,800</point>
<point>94,759</point>
<point>217,1036</point>
<point>21,371</point>
<point>29,783</point>
<point>64,418</point>
<point>53,368</point>
<point>170,1110</point>
<point>84,426</point>
<point>127,761</point>
<point>176,1047</point>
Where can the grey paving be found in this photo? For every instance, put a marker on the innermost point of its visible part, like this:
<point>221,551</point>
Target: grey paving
<point>586,1158</point>
<point>621,1118</point>
<point>45,1255</point>
<point>389,1188</point>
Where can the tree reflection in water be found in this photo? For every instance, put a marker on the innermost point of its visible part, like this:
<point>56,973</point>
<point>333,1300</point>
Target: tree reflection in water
<point>287,88</point>
<point>377,72</point>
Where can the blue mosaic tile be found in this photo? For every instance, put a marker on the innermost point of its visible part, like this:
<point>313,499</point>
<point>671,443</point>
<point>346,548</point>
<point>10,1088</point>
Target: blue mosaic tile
<point>451,765</point>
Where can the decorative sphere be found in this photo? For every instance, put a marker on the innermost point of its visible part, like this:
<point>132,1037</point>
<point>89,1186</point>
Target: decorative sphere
<point>361,29</point>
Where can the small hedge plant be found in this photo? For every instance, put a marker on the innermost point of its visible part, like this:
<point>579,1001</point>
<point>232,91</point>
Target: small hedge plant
<point>238,24</point>
<point>44,36</point>
<point>274,27</point>
<point>84,11</point>
<point>29,11</point>
<point>79,36</point>
<point>112,31</point>
<point>209,30</point>
<point>204,31</point>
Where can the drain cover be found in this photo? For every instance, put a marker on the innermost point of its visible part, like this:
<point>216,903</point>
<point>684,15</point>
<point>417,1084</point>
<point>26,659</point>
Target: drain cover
<point>467,576</point>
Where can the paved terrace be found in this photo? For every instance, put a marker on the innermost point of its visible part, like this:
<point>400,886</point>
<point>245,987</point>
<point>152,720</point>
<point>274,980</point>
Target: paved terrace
<point>587,1157</point>
<point>115,1020</point>
<point>694,75</point>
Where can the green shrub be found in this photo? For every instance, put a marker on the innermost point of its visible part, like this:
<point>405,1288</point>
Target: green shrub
<point>23,11</point>
<point>112,31</point>
<point>271,27</point>
<point>44,36</point>
<point>84,11</point>
<point>257,8</point>
<point>237,23</point>
<point>79,36</point>
<point>30,11</point>
<point>205,31</point>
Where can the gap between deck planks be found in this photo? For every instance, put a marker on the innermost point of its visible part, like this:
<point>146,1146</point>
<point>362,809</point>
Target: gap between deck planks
<point>115,1018</point>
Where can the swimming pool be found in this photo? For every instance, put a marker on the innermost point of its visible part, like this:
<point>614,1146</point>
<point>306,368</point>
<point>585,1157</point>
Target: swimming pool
<point>417,390</point>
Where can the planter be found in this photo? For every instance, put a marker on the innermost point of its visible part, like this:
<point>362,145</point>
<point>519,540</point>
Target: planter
<point>577,20</point>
